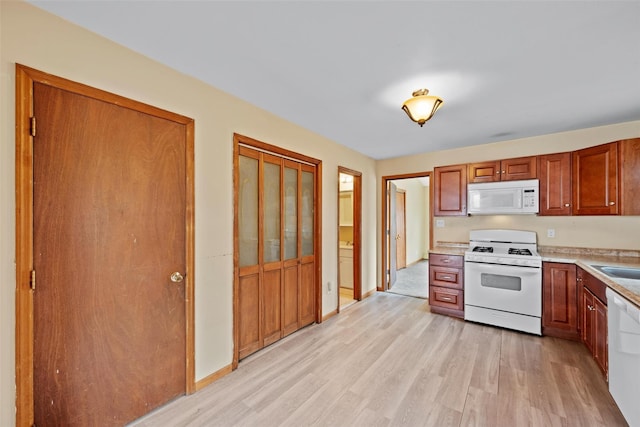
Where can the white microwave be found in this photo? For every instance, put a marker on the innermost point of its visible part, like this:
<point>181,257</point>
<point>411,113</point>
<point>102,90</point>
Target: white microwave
<point>503,197</point>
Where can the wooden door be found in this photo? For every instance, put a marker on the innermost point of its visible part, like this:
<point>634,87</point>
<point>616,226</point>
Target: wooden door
<point>595,180</point>
<point>391,234</point>
<point>291,296</point>
<point>307,206</point>
<point>450,190</point>
<point>554,171</point>
<point>401,230</point>
<point>275,289</point>
<point>271,214</point>
<point>109,229</point>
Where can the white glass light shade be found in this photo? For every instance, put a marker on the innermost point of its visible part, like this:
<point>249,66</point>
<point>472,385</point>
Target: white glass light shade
<point>421,107</point>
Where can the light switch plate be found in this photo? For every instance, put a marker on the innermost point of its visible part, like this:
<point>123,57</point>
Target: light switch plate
<point>440,223</point>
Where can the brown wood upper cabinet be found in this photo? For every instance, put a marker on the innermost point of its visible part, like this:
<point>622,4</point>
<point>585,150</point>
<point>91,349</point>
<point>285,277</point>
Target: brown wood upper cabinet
<point>605,177</point>
<point>504,170</point>
<point>554,172</point>
<point>630,175</point>
<point>595,180</point>
<point>450,190</point>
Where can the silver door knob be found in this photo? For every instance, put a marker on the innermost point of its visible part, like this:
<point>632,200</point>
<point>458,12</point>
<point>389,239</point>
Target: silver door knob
<point>176,277</point>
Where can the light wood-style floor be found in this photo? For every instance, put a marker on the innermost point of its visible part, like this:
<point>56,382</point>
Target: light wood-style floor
<point>346,298</point>
<point>387,361</point>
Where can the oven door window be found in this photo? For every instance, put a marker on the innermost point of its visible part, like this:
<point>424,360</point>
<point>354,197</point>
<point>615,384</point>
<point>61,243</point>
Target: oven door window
<point>499,281</point>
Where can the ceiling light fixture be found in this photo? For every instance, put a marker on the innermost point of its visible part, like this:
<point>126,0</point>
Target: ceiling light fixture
<point>421,107</point>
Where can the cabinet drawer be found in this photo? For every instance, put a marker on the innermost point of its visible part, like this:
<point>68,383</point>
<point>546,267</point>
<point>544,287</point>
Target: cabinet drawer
<point>445,276</point>
<point>596,286</point>
<point>446,260</point>
<point>446,297</point>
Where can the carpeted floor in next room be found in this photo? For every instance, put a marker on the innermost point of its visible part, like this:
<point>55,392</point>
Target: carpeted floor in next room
<point>413,281</point>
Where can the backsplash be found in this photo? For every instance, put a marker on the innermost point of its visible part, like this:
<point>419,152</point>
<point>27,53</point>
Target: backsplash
<point>616,232</point>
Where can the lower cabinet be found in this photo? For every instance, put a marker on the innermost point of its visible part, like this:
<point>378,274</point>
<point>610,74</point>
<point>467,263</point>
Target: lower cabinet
<point>446,284</point>
<point>560,301</point>
<point>346,268</point>
<point>594,318</point>
<point>574,306</point>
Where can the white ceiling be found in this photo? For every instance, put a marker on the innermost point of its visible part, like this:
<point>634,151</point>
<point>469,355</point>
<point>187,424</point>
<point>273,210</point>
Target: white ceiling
<point>505,69</point>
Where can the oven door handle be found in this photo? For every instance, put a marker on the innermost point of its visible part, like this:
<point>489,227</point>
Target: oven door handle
<point>517,269</point>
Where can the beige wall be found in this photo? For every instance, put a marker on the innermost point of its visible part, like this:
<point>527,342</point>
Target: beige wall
<point>621,232</point>
<point>37,39</point>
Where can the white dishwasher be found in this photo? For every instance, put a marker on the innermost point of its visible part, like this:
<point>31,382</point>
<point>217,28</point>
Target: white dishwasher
<point>624,355</point>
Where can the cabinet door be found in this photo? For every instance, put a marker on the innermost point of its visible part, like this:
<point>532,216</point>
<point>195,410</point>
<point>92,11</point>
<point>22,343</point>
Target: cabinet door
<point>588,319</point>
<point>450,190</point>
<point>630,176</point>
<point>484,171</point>
<point>554,172</point>
<point>519,168</point>
<point>560,300</point>
<point>600,350</point>
<point>595,180</point>
<point>594,332</point>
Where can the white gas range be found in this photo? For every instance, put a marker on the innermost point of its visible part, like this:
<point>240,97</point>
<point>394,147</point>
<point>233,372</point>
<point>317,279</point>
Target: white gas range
<point>503,280</point>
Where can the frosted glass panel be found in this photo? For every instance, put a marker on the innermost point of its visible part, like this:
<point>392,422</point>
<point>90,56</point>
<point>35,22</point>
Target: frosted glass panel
<point>307,213</point>
<point>271,212</point>
<point>248,211</point>
<point>290,213</point>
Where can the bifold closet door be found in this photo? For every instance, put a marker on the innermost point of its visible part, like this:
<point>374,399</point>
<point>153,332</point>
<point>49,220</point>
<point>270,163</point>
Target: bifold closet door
<point>276,202</point>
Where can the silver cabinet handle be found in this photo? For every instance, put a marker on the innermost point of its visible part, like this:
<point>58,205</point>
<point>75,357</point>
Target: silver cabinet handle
<point>566,205</point>
<point>612,203</point>
<point>176,277</point>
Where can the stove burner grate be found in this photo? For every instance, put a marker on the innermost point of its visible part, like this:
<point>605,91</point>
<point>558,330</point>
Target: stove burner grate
<point>518,251</point>
<point>487,249</point>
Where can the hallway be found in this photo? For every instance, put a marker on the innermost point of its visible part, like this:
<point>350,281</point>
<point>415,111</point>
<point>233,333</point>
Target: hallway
<point>413,281</point>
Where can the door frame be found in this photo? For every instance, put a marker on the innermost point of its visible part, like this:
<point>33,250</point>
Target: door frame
<point>357,233</point>
<point>25,79</point>
<point>384,206</point>
<point>239,140</point>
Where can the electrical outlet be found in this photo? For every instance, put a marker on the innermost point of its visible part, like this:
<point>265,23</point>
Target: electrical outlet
<point>440,223</point>
<point>551,232</point>
<point>328,286</point>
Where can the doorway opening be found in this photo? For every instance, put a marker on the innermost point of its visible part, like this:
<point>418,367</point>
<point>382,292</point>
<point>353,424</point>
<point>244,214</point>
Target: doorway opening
<point>349,237</point>
<point>407,231</point>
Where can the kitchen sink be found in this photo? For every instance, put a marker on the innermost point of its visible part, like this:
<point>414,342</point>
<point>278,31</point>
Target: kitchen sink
<point>619,272</point>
